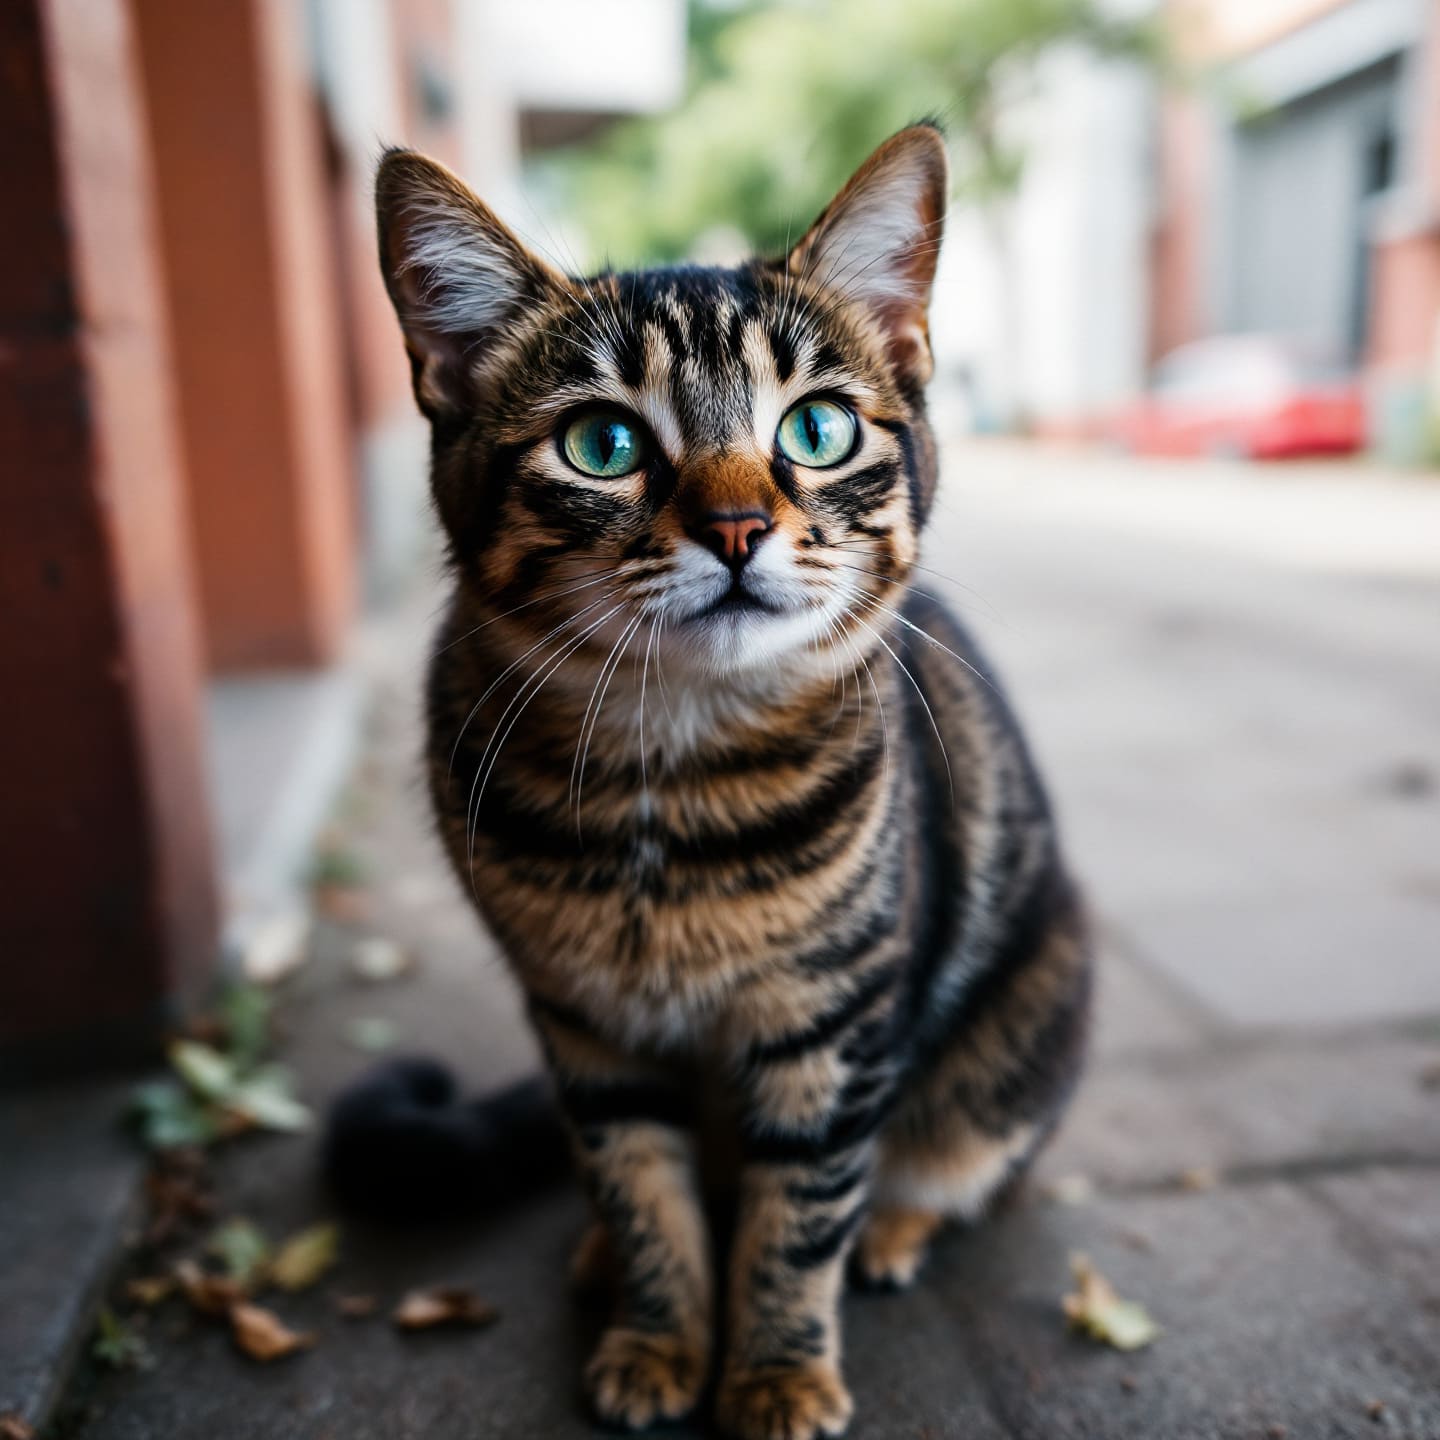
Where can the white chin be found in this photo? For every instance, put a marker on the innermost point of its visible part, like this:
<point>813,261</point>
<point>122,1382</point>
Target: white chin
<point>730,642</point>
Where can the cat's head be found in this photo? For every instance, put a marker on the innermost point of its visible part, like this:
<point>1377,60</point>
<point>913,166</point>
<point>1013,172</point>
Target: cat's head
<point>733,461</point>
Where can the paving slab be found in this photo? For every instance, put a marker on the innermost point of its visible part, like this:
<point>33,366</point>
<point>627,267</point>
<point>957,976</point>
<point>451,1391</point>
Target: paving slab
<point>1223,722</point>
<point>67,1190</point>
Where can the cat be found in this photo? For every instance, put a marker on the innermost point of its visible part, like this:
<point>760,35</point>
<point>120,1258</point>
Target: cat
<point>747,814</point>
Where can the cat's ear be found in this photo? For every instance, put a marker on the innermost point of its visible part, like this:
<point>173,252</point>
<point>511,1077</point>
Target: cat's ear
<point>878,240</point>
<point>456,275</point>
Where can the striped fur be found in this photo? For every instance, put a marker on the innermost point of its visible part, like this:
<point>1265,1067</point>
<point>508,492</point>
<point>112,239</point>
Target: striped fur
<point>785,857</point>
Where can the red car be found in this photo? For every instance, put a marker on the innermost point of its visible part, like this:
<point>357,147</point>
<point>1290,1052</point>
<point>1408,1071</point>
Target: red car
<point>1255,397</point>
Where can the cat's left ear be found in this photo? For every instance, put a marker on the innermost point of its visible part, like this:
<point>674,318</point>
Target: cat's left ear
<point>878,241</point>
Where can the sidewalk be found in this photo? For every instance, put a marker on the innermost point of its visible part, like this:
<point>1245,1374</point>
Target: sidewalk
<point>1243,733</point>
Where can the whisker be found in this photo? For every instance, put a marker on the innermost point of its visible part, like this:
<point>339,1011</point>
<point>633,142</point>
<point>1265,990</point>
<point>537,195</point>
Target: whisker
<point>490,689</point>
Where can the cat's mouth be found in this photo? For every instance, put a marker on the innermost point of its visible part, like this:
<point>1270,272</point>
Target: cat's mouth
<point>735,601</point>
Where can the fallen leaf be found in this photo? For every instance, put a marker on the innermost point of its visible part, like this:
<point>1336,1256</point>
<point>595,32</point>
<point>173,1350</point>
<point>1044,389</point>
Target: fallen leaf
<point>1097,1311</point>
<point>356,1307</point>
<point>177,1192</point>
<point>149,1290</point>
<point>275,948</point>
<point>305,1257</point>
<point>443,1305</point>
<point>266,1098</point>
<point>1430,1076</point>
<point>245,1017</point>
<point>118,1344</point>
<point>262,1335</point>
<point>372,1033</point>
<point>203,1068</point>
<point>378,959</point>
<point>1376,1409</point>
<point>1070,1190</point>
<point>170,1117</point>
<point>241,1247</point>
<point>342,905</point>
<point>336,866</point>
<point>12,1427</point>
<point>1198,1177</point>
<point>208,1293</point>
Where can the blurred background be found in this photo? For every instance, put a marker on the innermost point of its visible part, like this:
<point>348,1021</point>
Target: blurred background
<point>1187,331</point>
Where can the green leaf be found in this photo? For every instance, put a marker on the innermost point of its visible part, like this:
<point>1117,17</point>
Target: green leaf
<point>169,1116</point>
<point>372,1033</point>
<point>204,1069</point>
<point>305,1257</point>
<point>245,1011</point>
<point>266,1097</point>
<point>240,1245</point>
<point>118,1344</point>
<point>1097,1311</point>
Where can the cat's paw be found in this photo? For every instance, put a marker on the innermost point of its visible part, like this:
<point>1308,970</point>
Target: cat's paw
<point>785,1402</point>
<point>891,1248</point>
<point>635,1380</point>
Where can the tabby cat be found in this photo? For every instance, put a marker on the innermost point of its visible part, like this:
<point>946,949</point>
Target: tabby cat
<point>748,817</point>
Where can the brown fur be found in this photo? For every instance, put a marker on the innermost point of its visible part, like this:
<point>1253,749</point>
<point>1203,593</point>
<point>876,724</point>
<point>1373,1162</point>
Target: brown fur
<point>799,861</point>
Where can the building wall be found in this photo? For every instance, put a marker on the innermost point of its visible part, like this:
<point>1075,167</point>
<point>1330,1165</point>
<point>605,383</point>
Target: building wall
<point>1262,190</point>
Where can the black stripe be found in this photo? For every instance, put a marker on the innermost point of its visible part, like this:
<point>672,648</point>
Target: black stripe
<point>827,1027</point>
<point>901,431</point>
<point>823,1242</point>
<point>835,1187</point>
<point>841,952</point>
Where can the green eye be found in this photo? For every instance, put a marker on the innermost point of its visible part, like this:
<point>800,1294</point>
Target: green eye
<point>817,433</point>
<point>603,444</point>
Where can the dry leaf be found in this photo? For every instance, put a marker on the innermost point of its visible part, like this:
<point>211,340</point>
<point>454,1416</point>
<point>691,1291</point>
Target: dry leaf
<point>148,1290</point>
<point>275,947</point>
<point>1101,1314</point>
<point>177,1191</point>
<point>443,1305</point>
<point>208,1293</point>
<point>377,959</point>
<point>12,1427</point>
<point>262,1335</point>
<point>1198,1177</point>
<point>356,1307</point>
<point>305,1257</point>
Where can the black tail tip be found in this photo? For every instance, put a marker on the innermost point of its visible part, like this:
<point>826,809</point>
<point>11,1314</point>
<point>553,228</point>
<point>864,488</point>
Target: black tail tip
<point>400,1145</point>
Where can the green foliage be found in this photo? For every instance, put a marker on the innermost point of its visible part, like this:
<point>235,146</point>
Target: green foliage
<point>118,1344</point>
<point>218,1092</point>
<point>241,1247</point>
<point>785,99</point>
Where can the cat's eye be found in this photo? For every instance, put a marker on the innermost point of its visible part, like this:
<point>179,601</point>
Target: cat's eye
<point>604,444</point>
<point>817,434</point>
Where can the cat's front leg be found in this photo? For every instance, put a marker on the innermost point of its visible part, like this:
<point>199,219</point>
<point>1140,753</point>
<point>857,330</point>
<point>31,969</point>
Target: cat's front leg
<point>636,1156</point>
<point>813,1110</point>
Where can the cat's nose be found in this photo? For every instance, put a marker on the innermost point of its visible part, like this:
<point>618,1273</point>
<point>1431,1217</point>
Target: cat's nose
<point>733,538</point>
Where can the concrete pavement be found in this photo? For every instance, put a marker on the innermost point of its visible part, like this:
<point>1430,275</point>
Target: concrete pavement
<point>1233,680</point>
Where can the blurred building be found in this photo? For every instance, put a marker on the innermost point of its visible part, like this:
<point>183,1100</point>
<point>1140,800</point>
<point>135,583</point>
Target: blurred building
<point>1289,185</point>
<point>211,455</point>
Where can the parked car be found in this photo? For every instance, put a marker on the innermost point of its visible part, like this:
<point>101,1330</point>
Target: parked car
<point>1257,397</point>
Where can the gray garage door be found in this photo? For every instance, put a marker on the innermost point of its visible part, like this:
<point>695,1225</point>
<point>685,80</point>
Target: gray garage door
<point>1303,179</point>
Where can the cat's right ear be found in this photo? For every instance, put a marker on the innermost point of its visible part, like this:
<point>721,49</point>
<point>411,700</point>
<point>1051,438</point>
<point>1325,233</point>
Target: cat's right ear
<point>456,275</point>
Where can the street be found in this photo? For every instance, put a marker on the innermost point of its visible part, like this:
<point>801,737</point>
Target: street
<point>1232,679</point>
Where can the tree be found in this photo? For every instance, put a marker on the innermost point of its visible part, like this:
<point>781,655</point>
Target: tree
<point>785,99</point>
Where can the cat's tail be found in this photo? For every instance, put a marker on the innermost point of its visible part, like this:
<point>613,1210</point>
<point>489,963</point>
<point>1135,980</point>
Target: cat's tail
<point>400,1144</point>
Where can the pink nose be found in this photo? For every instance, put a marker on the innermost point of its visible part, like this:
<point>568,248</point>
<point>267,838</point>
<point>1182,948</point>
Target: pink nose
<point>732,537</point>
